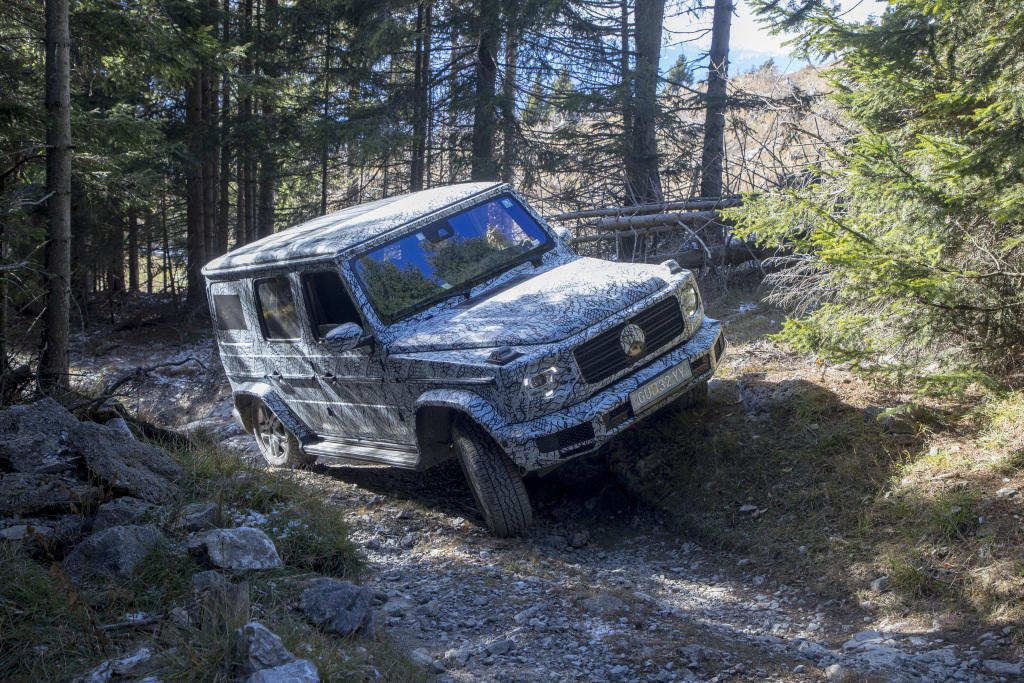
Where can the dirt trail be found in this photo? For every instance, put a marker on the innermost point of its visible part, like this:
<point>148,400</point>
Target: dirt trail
<point>599,589</point>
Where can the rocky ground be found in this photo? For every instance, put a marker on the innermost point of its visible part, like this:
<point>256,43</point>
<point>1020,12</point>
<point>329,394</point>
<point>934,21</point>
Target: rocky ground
<point>599,590</point>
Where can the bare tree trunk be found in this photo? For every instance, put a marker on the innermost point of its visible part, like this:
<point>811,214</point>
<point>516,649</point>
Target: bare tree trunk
<point>642,161</point>
<point>133,252</point>
<point>625,89</point>
<point>195,222</point>
<point>53,357</point>
<point>268,112</point>
<point>148,227</point>
<point>224,200</point>
<point>453,113</point>
<point>485,119</point>
<point>421,77</point>
<point>324,150</point>
<point>508,99</point>
<point>210,165</point>
<point>714,121</point>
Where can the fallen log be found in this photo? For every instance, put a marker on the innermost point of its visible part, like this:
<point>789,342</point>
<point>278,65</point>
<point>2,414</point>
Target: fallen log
<point>695,204</point>
<point>657,220</point>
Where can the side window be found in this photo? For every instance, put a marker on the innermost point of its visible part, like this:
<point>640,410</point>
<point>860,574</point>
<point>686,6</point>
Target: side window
<point>228,309</point>
<point>277,309</point>
<point>328,303</point>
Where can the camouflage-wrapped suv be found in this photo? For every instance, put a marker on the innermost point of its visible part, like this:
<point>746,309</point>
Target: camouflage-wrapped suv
<point>451,322</point>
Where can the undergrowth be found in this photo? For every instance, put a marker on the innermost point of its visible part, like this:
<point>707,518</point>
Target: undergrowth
<point>51,629</point>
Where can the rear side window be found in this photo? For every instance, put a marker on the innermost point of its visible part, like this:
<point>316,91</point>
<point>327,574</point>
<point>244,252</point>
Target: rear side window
<point>228,308</point>
<point>277,309</point>
<point>328,303</point>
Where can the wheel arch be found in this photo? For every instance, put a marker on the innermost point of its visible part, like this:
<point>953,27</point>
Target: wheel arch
<point>436,414</point>
<point>248,397</point>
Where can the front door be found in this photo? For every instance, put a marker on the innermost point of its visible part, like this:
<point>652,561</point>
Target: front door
<point>355,397</point>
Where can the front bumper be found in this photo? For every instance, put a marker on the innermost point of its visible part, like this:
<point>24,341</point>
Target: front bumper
<point>585,426</point>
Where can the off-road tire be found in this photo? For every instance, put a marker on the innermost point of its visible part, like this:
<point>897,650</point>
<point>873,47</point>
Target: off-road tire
<point>696,396</point>
<point>494,481</point>
<point>278,446</point>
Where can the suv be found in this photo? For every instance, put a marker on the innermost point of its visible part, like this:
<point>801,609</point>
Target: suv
<point>451,322</point>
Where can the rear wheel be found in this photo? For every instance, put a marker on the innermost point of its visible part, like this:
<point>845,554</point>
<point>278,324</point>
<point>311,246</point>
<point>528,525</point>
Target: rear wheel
<point>277,444</point>
<point>496,484</point>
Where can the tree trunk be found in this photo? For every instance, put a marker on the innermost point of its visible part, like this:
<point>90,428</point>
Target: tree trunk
<point>268,113</point>
<point>53,357</point>
<point>508,99</point>
<point>224,200</point>
<point>133,252</point>
<point>625,86</point>
<point>210,166</point>
<point>148,227</point>
<point>642,160</point>
<point>714,121</point>
<point>453,112</point>
<point>485,120</point>
<point>326,114</point>
<point>195,222</point>
<point>421,78</point>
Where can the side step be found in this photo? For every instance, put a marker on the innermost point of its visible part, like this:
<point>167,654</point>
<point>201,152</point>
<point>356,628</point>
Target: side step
<point>356,452</point>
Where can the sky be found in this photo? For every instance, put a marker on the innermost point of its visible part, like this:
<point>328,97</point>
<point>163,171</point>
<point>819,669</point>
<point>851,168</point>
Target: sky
<point>750,45</point>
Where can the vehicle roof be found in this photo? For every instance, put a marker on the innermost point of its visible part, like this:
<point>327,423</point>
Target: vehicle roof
<point>337,232</point>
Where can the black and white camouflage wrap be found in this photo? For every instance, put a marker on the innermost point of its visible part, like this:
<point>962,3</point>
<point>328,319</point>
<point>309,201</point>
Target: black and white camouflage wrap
<point>439,357</point>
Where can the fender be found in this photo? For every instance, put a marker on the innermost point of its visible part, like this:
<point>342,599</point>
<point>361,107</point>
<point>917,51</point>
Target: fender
<point>466,402</point>
<point>266,393</point>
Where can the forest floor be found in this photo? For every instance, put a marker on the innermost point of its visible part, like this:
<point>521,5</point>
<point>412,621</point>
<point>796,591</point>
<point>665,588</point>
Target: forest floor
<point>802,525</point>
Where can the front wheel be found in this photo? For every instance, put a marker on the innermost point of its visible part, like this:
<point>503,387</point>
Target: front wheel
<point>496,485</point>
<point>277,444</point>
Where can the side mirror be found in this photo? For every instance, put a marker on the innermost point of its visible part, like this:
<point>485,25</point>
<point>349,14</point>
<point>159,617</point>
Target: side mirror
<point>344,337</point>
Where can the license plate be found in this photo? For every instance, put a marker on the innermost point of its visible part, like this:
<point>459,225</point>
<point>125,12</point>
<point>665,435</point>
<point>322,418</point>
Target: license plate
<point>659,386</point>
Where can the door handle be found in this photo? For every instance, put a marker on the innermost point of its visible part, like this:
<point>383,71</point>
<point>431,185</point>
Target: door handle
<point>274,375</point>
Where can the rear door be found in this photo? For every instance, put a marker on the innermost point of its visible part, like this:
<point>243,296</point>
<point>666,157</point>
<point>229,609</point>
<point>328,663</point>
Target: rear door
<point>283,349</point>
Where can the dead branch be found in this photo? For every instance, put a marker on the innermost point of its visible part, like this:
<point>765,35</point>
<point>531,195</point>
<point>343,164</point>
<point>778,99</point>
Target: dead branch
<point>136,374</point>
<point>696,204</point>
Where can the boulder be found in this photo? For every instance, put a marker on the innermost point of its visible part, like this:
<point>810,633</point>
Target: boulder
<point>33,438</point>
<point>338,607</point>
<point>257,647</point>
<point>299,671</point>
<point>135,666</point>
<point>128,466</point>
<point>44,438</point>
<point>199,517</point>
<point>235,549</point>
<point>112,552</point>
<point>604,606</point>
<point>24,493</point>
<point>124,511</point>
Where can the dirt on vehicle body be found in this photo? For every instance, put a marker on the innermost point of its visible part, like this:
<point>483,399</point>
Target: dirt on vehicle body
<point>451,322</point>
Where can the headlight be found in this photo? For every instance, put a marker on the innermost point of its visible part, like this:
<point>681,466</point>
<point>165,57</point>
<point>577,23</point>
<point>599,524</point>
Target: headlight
<point>690,300</point>
<point>544,382</point>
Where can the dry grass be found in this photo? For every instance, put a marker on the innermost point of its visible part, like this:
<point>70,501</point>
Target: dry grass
<point>50,629</point>
<point>839,498</point>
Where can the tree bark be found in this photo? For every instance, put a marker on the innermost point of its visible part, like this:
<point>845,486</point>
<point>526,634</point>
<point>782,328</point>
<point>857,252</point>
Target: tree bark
<point>644,182</point>
<point>195,222</point>
<point>485,120</point>
<point>421,89</point>
<point>714,120</point>
<point>53,357</point>
<point>508,99</point>
<point>268,112</point>
<point>133,252</point>
<point>224,200</point>
<point>625,86</point>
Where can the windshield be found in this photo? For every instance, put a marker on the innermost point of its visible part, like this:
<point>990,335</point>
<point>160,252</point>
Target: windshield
<point>448,256</point>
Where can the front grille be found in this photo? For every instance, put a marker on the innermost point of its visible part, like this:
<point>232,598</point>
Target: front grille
<point>617,416</point>
<point>566,437</point>
<point>602,356</point>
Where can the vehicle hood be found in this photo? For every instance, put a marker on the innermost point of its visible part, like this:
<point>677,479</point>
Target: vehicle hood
<point>545,308</point>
